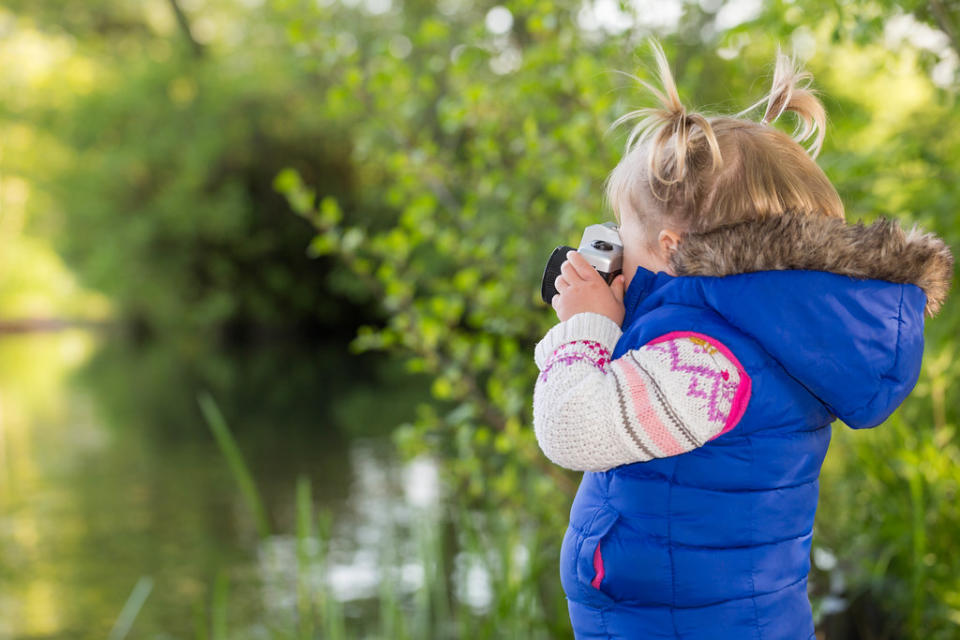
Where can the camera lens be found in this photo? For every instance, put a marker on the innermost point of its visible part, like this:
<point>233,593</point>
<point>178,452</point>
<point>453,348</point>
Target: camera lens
<point>551,271</point>
<point>602,245</point>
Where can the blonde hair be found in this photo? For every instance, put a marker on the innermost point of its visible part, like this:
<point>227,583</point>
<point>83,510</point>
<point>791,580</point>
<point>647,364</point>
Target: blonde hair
<point>702,171</point>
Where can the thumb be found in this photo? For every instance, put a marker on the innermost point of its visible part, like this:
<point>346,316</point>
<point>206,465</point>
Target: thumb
<point>617,288</point>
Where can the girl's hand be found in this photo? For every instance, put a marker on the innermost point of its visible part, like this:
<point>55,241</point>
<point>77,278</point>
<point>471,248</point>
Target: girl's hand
<point>583,289</point>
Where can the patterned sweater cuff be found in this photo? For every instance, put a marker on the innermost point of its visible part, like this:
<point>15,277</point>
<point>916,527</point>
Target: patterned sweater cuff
<point>582,326</point>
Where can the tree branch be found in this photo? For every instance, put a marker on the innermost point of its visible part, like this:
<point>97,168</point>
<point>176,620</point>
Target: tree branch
<point>945,24</point>
<point>185,28</point>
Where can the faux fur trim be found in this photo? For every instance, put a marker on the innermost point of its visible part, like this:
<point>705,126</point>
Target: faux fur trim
<point>882,250</point>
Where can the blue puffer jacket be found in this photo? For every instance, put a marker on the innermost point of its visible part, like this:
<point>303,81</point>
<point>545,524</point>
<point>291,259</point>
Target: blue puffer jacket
<point>715,543</point>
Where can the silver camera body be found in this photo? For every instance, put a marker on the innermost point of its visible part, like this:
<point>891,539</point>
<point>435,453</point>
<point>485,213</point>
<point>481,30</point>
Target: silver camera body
<point>600,246</point>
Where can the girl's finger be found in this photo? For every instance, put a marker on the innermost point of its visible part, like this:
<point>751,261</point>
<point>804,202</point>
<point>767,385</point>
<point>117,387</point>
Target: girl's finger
<point>580,265</point>
<point>617,288</point>
<point>569,271</point>
<point>561,284</point>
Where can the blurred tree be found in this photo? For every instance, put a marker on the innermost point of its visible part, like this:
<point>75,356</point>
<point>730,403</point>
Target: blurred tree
<point>162,188</point>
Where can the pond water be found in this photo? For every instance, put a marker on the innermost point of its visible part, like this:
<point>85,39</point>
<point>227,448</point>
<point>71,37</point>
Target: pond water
<point>109,476</point>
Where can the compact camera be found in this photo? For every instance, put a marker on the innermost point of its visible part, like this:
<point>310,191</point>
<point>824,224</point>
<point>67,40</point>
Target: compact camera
<point>600,245</point>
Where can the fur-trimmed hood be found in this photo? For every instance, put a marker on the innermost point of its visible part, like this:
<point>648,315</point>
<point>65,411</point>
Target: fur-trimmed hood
<point>882,251</point>
<point>840,307</point>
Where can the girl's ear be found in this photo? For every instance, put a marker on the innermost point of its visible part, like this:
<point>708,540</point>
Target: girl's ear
<point>668,240</point>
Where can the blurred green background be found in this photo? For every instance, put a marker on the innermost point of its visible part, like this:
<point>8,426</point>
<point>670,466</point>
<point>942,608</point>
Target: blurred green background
<point>332,218</point>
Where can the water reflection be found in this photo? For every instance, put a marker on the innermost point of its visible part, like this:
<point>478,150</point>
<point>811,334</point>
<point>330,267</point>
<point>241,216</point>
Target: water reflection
<point>108,474</point>
<point>373,542</point>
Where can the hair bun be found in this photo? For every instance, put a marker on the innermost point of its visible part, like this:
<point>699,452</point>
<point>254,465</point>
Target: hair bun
<point>787,94</point>
<point>670,120</point>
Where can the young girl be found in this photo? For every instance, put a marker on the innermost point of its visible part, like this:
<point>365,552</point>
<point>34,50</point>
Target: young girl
<point>698,391</point>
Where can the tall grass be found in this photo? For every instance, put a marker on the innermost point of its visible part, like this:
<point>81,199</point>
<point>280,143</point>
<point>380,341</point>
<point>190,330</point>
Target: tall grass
<point>508,554</point>
<point>238,467</point>
<point>141,591</point>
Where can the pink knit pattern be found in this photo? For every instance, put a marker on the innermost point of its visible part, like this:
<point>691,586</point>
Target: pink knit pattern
<point>704,382</point>
<point>724,399</point>
<point>568,353</point>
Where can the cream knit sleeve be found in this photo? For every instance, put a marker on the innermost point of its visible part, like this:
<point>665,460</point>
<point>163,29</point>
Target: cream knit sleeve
<point>671,395</point>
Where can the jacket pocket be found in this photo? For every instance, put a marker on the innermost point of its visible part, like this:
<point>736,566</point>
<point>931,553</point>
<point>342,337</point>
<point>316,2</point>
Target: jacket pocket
<point>591,567</point>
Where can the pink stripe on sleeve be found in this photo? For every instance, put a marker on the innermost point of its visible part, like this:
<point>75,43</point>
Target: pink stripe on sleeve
<point>647,417</point>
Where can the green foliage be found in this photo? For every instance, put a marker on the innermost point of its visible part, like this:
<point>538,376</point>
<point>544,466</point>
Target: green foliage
<point>169,203</point>
<point>485,173</point>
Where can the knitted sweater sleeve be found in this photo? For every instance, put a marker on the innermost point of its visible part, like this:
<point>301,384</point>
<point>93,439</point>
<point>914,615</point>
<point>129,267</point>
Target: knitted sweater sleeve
<point>670,396</point>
